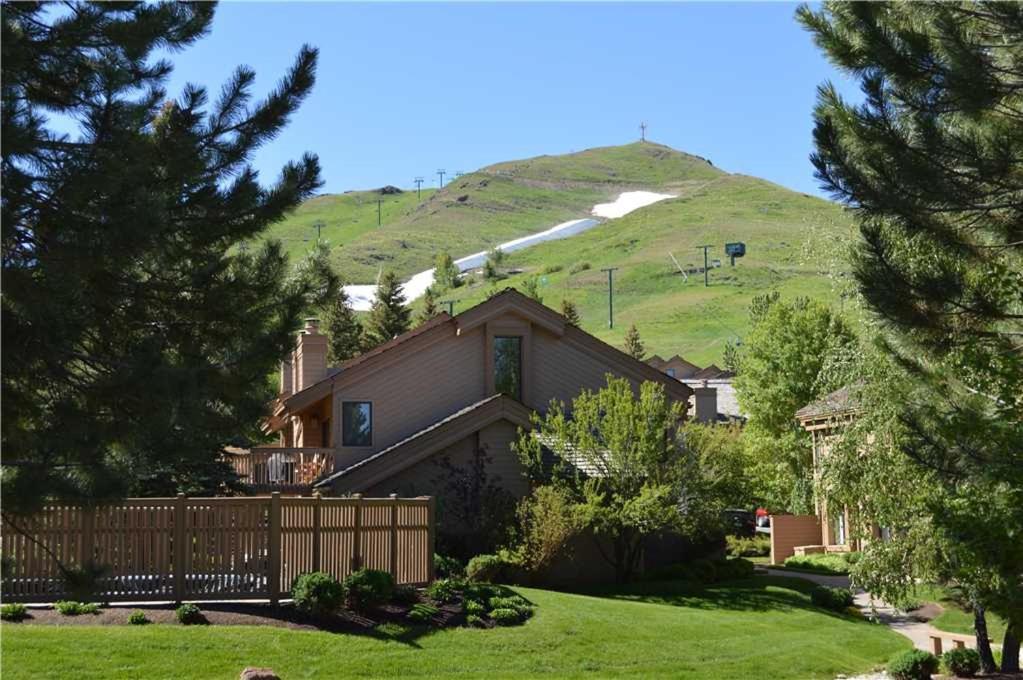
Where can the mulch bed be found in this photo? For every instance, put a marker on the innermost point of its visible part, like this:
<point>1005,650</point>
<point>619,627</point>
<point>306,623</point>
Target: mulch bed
<point>244,614</point>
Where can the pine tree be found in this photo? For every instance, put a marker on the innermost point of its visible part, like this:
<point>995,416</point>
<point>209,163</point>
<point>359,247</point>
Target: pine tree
<point>569,311</point>
<point>931,164</point>
<point>389,317</point>
<point>531,289</point>
<point>633,344</point>
<point>429,309</point>
<point>137,337</point>
<point>344,331</point>
<point>446,271</point>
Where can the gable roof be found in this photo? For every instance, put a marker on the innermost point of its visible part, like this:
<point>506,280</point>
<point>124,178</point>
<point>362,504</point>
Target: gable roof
<point>839,402</point>
<point>507,301</point>
<point>430,439</point>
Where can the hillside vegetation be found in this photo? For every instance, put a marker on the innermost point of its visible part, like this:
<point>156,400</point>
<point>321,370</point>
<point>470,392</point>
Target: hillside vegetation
<point>512,199</point>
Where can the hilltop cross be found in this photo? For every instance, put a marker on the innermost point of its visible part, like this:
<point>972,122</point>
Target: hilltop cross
<point>642,132</point>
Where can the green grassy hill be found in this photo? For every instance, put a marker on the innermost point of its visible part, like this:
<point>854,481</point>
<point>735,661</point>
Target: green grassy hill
<point>508,200</point>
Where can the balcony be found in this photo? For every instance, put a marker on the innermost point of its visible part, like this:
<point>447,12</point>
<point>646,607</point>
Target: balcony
<point>280,468</point>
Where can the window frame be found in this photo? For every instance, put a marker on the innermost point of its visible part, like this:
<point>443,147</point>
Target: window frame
<point>344,422</point>
<point>520,341</point>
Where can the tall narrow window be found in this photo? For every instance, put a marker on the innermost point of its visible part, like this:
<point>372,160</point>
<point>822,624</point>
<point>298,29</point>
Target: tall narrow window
<point>356,423</point>
<point>508,366</point>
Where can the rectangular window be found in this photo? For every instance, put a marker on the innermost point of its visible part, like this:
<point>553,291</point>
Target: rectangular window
<point>356,423</point>
<point>508,366</point>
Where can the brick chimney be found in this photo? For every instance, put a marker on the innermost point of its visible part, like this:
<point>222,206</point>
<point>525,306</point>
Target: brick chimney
<point>310,362</point>
<point>287,377</point>
<point>706,398</point>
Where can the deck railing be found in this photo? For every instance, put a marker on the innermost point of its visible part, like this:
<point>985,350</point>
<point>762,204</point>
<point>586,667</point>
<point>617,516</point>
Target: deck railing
<point>269,467</point>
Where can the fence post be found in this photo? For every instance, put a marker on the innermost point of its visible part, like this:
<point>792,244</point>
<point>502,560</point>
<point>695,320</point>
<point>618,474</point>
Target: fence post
<point>394,537</point>
<point>316,531</point>
<point>275,548</point>
<point>179,548</point>
<point>357,534</point>
<point>431,521</point>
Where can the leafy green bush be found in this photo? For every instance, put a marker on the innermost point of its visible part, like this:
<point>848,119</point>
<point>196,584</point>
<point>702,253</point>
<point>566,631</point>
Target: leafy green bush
<point>475,607</point>
<point>367,588</point>
<point>486,568</point>
<point>317,593</point>
<point>73,608</point>
<point>138,618</point>
<point>915,664</point>
<point>579,267</point>
<point>823,563</point>
<point>734,569</point>
<point>405,594</point>
<point>444,590</point>
<point>446,567</point>
<point>475,621</point>
<point>422,613</point>
<point>506,616</point>
<point>512,602</point>
<point>13,611</point>
<point>189,615</point>
<point>752,546</point>
<point>835,599</point>
<point>963,663</point>
<point>551,269</point>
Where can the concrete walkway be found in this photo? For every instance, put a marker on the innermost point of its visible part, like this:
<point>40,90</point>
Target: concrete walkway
<point>919,632</point>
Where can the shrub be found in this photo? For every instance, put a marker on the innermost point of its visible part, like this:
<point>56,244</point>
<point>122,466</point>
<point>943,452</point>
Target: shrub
<point>506,616</point>
<point>824,563</point>
<point>734,569</point>
<point>405,595</point>
<point>13,611</point>
<point>422,613</point>
<point>475,607</point>
<point>551,269</point>
<point>548,519</point>
<point>753,546</point>
<point>445,567</point>
<point>189,615</point>
<point>515,602</point>
<point>475,621</point>
<point>138,618</point>
<point>915,664</point>
<point>835,599</point>
<point>444,590</point>
<point>317,593</point>
<point>481,592</point>
<point>486,568</point>
<point>963,663</point>
<point>73,608</point>
<point>367,588</point>
<point>579,267</point>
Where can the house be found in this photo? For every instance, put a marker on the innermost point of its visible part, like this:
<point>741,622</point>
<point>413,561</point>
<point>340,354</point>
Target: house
<point>675,367</point>
<point>828,529</point>
<point>378,423</point>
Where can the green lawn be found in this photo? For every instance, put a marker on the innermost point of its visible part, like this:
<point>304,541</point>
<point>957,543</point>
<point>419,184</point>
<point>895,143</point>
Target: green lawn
<point>956,618</point>
<point>764,628</point>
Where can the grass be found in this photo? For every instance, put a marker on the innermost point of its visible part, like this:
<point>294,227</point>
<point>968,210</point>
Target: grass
<point>508,200</point>
<point>763,627</point>
<point>957,616</point>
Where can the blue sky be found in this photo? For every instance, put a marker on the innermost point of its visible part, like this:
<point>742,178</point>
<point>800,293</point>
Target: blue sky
<point>405,89</point>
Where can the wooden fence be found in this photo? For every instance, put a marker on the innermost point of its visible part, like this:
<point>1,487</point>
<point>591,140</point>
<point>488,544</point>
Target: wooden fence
<point>216,548</point>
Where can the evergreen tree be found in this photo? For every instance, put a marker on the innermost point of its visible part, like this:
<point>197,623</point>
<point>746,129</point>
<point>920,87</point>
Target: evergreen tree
<point>389,317</point>
<point>633,344</point>
<point>932,165</point>
<point>344,331</point>
<point>137,338</point>
<point>531,288</point>
<point>429,309</point>
<point>571,314</point>
<point>446,271</point>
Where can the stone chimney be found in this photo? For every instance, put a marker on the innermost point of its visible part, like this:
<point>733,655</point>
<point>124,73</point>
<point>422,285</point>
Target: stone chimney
<point>706,399</point>
<point>310,363</point>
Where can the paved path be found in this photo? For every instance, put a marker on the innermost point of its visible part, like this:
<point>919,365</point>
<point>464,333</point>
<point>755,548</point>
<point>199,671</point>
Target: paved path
<point>919,632</point>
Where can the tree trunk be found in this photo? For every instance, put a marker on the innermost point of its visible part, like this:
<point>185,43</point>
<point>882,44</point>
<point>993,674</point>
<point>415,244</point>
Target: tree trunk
<point>987,659</point>
<point>1010,649</point>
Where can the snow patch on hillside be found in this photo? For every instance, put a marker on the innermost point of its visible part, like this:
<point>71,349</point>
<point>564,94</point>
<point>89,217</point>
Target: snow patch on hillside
<point>362,295</point>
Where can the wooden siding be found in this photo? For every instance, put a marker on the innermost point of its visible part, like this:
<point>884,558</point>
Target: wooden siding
<point>173,549</point>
